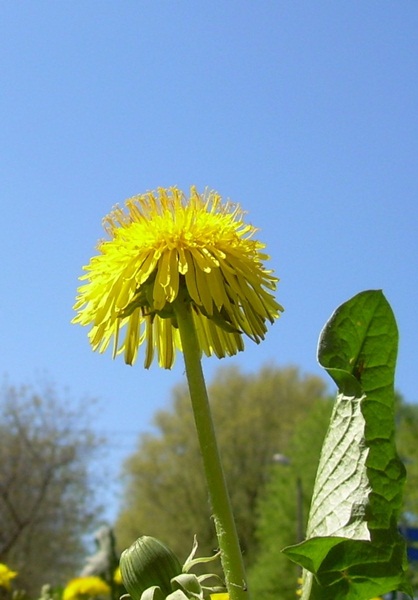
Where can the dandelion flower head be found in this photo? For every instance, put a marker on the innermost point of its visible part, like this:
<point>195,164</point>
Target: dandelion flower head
<point>6,575</point>
<point>164,247</point>
<point>83,588</point>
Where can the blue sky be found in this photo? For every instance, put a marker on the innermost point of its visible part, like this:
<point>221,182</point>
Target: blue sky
<point>306,113</point>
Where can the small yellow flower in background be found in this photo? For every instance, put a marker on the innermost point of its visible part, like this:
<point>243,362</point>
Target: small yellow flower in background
<point>299,588</point>
<point>165,246</point>
<point>219,597</point>
<point>82,588</point>
<point>117,577</point>
<point>6,575</point>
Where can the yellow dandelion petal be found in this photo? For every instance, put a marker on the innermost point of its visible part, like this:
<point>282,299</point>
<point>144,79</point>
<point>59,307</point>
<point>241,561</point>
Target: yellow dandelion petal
<point>149,351</point>
<point>183,263</point>
<point>147,267</point>
<point>202,260</point>
<point>205,292</point>
<point>216,345</point>
<point>174,267</point>
<point>190,278</point>
<point>217,287</point>
<point>214,340</point>
<point>162,281</point>
<point>201,332</point>
<point>163,245</point>
<point>168,342</point>
<point>132,337</point>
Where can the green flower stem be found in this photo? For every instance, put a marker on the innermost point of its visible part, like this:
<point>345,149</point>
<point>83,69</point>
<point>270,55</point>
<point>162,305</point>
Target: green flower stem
<point>231,556</point>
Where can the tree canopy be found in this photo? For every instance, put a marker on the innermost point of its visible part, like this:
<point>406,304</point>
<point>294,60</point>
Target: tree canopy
<point>282,512</point>
<point>46,492</point>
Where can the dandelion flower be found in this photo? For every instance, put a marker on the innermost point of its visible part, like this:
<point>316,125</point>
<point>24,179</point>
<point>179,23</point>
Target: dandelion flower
<point>82,588</point>
<point>6,575</point>
<point>164,247</point>
<point>117,577</point>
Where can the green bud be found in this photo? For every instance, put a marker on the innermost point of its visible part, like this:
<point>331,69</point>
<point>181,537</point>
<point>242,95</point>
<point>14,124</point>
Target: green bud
<point>148,563</point>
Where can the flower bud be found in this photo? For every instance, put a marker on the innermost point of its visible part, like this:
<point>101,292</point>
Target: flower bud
<point>147,563</point>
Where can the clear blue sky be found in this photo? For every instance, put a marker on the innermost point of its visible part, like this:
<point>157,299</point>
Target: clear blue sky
<point>306,113</point>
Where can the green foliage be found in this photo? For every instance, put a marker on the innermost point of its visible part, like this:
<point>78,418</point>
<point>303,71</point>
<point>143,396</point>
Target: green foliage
<point>282,510</point>
<point>46,494</point>
<point>273,575</point>
<point>406,436</point>
<point>255,416</point>
<point>353,546</point>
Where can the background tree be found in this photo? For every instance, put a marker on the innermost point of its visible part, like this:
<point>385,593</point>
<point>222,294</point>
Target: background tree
<point>165,492</point>
<point>406,441</point>
<point>46,492</point>
<point>407,437</point>
<point>283,510</point>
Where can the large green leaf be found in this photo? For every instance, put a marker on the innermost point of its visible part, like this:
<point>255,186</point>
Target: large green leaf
<point>353,549</point>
